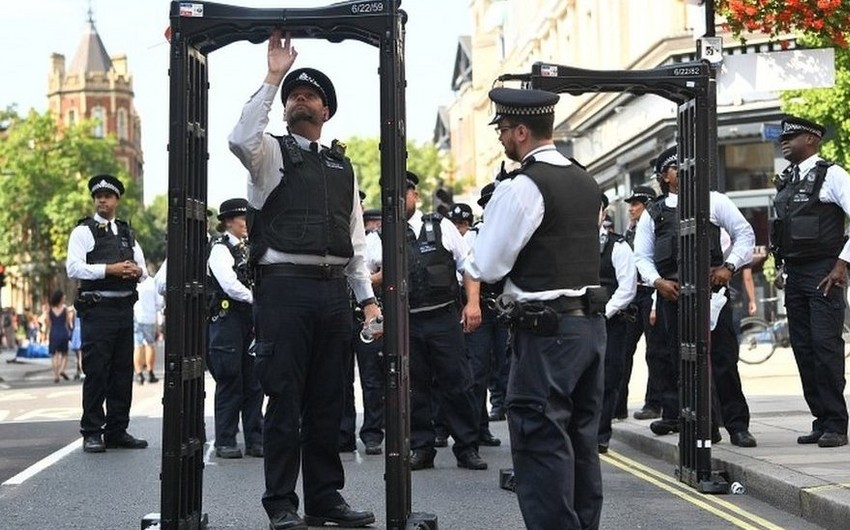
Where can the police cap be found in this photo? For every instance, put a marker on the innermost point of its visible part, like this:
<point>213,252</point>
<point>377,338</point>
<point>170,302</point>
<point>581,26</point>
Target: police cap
<point>412,180</point>
<point>792,126</point>
<point>460,212</point>
<point>106,182</point>
<point>486,193</point>
<point>314,79</point>
<point>642,194</point>
<point>373,214</point>
<point>667,158</point>
<point>521,103</point>
<point>232,208</point>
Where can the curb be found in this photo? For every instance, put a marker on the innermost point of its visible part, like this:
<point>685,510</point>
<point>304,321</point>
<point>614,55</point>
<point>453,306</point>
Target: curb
<point>814,499</point>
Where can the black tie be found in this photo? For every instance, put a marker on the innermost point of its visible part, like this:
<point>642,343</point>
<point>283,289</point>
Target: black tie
<point>109,227</point>
<point>314,147</point>
<point>795,171</point>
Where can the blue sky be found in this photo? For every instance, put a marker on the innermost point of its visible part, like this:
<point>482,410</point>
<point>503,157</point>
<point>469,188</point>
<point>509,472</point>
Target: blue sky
<point>32,31</point>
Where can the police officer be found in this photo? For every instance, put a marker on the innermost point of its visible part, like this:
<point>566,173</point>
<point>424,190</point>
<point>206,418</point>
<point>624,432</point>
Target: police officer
<point>551,266</point>
<point>617,274</point>
<point>105,257</point>
<point>436,250</point>
<point>498,383</point>
<point>812,204</point>
<point>231,329</point>
<point>640,325</point>
<point>657,257</point>
<point>306,230</point>
<point>489,340</point>
<point>461,215</point>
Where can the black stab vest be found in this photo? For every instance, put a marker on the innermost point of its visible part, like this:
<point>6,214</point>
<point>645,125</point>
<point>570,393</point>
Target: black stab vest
<point>667,240</point>
<point>806,229</point>
<point>109,248</point>
<point>240,267</point>
<point>431,267</point>
<point>563,253</point>
<point>309,212</point>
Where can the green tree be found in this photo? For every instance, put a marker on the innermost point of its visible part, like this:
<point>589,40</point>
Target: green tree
<point>45,172</point>
<point>423,159</point>
<point>827,106</point>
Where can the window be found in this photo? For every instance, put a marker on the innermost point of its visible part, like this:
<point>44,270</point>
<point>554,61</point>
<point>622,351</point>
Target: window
<point>122,124</point>
<point>748,166</point>
<point>99,116</point>
<point>72,118</point>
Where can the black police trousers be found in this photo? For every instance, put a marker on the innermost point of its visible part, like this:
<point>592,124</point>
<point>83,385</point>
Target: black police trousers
<point>725,379</point>
<point>554,401</point>
<point>370,366</point>
<point>437,352</point>
<point>303,329</point>
<point>485,347</point>
<point>815,323</point>
<point>615,329</point>
<point>107,347</point>
<point>237,391</point>
<point>634,330</point>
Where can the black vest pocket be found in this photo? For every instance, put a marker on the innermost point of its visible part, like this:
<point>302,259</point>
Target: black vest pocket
<point>804,227</point>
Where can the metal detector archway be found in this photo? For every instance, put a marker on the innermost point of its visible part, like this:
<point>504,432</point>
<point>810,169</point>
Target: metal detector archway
<point>692,86</point>
<point>197,29</point>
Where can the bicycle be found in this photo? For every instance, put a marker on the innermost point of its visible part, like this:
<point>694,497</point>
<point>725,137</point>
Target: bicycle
<point>760,338</point>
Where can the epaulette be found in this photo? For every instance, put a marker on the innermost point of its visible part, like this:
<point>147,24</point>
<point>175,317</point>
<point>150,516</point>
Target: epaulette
<point>83,220</point>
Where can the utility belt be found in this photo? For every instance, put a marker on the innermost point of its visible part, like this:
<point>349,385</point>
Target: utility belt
<point>87,301</point>
<point>217,307</point>
<point>291,270</point>
<point>543,317</point>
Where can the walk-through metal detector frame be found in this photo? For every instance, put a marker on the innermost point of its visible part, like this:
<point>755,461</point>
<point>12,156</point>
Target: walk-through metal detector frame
<point>692,86</point>
<point>197,29</point>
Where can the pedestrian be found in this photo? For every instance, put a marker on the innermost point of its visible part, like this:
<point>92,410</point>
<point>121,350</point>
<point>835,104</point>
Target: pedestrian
<point>58,324</point>
<point>552,296</point>
<point>617,274</point>
<point>105,257</point>
<point>640,325</point>
<point>808,239</point>
<point>657,257</point>
<point>306,237</point>
<point>145,321</point>
<point>231,329</point>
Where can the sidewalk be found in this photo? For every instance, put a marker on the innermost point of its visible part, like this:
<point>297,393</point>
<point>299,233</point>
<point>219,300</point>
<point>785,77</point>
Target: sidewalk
<point>804,480</point>
<point>14,368</point>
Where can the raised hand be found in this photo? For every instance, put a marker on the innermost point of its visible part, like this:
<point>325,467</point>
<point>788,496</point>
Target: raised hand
<point>281,55</point>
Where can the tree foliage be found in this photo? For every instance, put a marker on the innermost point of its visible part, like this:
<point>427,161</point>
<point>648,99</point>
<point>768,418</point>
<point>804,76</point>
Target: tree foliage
<point>423,159</point>
<point>45,172</point>
<point>827,106</point>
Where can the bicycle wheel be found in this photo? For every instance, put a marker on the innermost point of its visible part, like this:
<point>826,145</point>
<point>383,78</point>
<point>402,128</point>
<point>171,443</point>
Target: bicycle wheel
<point>757,340</point>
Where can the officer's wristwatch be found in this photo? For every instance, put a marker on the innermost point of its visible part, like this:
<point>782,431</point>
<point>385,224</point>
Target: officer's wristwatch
<point>728,266</point>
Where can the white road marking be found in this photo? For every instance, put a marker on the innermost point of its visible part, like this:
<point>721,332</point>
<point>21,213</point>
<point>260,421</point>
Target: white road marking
<point>42,464</point>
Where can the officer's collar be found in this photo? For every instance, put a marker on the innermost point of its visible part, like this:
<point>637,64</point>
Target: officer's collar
<point>808,164</point>
<point>415,219</point>
<point>304,143</point>
<point>537,150</point>
<point>100,219</point>
<point>232,238</point>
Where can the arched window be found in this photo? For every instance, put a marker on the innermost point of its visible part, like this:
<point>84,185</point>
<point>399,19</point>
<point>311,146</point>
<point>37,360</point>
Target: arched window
<point>121,124</point>
<point>98,114</point>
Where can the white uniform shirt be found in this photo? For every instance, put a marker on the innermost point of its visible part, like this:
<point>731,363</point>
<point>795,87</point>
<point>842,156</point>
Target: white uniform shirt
<point>514,213</point>
<point>835,190</point>
<point>160,279</point>
<point>81,242</point>
<point>722,212</point>
<point>373,252</point>
<point>220,265</point>
<point>146,309</point>
<point>623,260</point>
<point>260,154</point>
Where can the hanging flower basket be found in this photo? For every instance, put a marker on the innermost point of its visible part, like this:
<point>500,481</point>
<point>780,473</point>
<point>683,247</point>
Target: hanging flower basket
<point>827,19</point>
